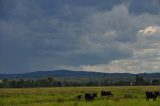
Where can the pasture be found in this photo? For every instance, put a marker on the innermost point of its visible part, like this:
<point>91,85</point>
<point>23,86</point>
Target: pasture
<point>66,96</point>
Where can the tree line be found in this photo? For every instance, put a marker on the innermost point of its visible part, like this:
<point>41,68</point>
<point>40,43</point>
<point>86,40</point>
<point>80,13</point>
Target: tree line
<point>51,82</point>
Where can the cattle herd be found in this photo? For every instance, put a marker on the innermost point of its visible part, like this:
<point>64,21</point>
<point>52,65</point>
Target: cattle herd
<point>91,96</point>
<point>152,95</point>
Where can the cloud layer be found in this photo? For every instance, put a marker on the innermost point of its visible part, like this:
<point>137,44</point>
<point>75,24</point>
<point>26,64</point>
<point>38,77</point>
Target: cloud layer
<point>108,36</point>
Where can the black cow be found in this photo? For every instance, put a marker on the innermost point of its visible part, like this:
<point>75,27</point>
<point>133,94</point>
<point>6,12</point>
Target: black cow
<point>79,97</point>
<point>106,93</point>
<point>157,93</point>
<point>151,95</point>
<point>94,94</point>
<point>90,96</point>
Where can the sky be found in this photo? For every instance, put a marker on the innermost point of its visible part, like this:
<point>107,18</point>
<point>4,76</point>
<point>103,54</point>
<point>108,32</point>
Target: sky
<point>86,35</point>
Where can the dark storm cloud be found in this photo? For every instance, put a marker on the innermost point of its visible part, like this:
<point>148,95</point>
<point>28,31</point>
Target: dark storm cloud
<point>144,6</point>
<point>1,7</point>
<point>45,35</point>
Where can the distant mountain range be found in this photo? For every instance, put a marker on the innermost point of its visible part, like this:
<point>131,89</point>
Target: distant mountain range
<point>77,74</point>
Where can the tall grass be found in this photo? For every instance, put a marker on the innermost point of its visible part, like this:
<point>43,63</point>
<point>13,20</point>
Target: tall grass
<point>65,96</point>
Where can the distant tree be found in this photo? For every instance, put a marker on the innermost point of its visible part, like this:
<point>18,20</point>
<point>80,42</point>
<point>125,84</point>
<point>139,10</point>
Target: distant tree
<point>104,82</point>
<point>122,83</point>
<point>5,83</point>
<point>140,80</point>
<point>1,86</point>
<point>43,82</point>
<point>21,83</point>
<point>13,84</point>
<point>155,82</point>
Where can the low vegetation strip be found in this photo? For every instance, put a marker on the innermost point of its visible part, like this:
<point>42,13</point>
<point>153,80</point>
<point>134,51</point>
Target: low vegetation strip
<point>83,81</point>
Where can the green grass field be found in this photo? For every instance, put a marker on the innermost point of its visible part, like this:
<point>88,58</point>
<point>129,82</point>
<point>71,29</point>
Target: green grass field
<point>65,96</point>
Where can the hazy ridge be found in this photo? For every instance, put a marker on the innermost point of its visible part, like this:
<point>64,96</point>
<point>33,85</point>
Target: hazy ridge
<point>76,74</point>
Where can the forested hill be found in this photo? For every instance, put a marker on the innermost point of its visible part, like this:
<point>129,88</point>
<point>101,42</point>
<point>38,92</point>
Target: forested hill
<point>76,74</point>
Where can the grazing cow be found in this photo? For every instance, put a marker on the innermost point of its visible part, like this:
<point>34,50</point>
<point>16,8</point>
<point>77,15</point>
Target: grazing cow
<point>90,96</point>
<point>94,94</point>
<point>157,93</point>
<point>151,95</point>
<point>106,93</point>
<point>79,97</point>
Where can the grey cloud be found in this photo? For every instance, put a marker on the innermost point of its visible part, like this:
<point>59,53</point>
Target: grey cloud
<point>144,6</point>
<point>38,35</point>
